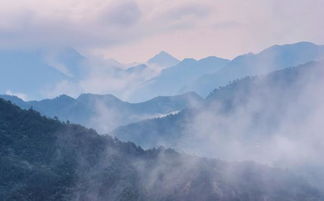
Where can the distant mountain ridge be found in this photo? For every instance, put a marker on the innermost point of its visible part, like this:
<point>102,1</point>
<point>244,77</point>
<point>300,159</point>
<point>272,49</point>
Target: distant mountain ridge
<point>106,112</point>
<point>158,62</point>
<point>202,76</point>
<point>271,59</point>
<point>161,75</point>
<point>173,80</point>
<point>50,67</point>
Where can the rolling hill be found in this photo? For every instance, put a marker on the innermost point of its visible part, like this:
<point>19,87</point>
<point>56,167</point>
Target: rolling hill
<point>44,159</point>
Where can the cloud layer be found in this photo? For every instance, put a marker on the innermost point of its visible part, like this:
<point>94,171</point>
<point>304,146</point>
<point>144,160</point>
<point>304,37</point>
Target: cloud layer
<point>133,29</point>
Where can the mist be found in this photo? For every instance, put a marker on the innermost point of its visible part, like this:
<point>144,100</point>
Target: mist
<point>123,100</point>
<point>274,122</point>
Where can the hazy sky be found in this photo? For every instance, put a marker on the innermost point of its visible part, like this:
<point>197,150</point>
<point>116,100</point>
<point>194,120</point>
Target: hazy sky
<point>134,30</point>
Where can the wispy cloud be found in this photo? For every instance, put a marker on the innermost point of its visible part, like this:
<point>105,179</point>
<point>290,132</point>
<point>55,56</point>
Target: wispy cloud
<point>132,29</point>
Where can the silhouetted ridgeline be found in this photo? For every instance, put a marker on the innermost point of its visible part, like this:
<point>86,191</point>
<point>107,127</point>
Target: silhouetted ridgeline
<point>106,112</point>
<point>44,159</point>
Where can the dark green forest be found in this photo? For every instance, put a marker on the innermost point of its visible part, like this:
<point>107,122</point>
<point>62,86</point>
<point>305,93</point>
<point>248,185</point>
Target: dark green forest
<point>44,159</point>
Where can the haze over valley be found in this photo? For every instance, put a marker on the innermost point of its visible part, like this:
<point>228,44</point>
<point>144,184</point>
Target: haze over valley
<point>157,100</point>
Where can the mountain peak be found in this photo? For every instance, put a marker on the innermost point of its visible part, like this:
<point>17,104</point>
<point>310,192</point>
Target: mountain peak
<point>64,97</point>
<point>163,54</point>
<point>186,61</point>
<point>213,59</point>
<point>163,59</point>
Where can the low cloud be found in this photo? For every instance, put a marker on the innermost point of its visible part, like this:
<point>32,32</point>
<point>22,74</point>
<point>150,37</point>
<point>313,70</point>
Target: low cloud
<point>271,124</point>
<point>19,95</point>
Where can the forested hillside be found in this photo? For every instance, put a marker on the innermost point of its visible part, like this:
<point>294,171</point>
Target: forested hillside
<point>243,118</point>
<point>44,159</point>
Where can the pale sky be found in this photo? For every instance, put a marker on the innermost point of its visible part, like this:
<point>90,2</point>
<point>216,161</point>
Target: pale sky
<point>134,30</point>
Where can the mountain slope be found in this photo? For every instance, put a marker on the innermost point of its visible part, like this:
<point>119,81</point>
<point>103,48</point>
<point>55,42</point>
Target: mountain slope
<point>163,60</point>
<point>44,159</point>
<point>250,113</point>
<point>274,119</point>
<point>173,80</point>
<point>106,112</point>
<point>137,69</point>
<point>274,58</point>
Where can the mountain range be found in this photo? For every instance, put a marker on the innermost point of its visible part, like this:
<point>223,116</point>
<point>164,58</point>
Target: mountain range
<point>161,75</point>
<point>155,64</point>
<point>106,112</point>
<point>204,75</point>
<point>273,119</point>
<point>172,80</point>
<point>44,159</point>
<point>265,107</point>
<point>34,72</point>
<point>244,118</point>
<point>274,58</point>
